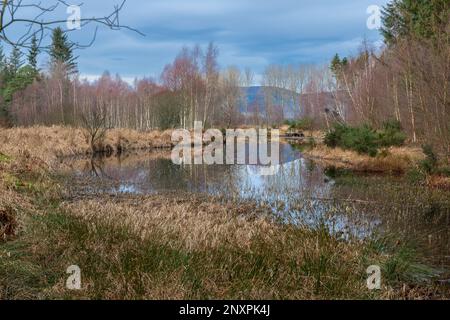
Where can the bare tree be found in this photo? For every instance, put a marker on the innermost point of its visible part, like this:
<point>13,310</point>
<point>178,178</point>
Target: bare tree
<point>37,19</point>
<point>211,80</point>
<point>230,87</point>
<point>94,123</point>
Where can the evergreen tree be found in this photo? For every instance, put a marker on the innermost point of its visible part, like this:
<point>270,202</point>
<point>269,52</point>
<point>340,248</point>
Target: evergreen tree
<point>61,51</point>
<point>422,19</point>
<point>14,63</point>
<point>336,64</point>
<point>22,79</point>
<point>344,62</point>
<point>33,54</point>
<point>14,78</point>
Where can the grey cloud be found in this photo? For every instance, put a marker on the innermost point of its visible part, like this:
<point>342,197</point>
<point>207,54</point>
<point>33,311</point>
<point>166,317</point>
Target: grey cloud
<point>248,32</point>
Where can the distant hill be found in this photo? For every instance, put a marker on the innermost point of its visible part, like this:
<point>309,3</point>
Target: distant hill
<point>286,102</point>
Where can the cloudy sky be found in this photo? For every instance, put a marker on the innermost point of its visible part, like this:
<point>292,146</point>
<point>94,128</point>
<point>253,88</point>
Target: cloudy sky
<point>249,33</point>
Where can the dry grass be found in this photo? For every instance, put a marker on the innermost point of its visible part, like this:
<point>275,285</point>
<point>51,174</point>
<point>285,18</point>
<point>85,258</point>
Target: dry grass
<point>194,247</point>
<point>439,182</point>
<point>197,223</point>
<point>49,143</point>
<point>395,159</point>
<point>171,247</point>
<point>21,177</point>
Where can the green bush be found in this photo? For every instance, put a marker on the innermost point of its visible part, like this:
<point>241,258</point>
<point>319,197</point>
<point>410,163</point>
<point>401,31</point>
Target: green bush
<point>361,139</point>
<point>391,138</point>
<point>334,137</point>
<point>393,125</point>
<point>364,139</point>
<point>391,134</point>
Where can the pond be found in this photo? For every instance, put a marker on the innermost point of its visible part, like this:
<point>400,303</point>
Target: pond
<point>300,192</point>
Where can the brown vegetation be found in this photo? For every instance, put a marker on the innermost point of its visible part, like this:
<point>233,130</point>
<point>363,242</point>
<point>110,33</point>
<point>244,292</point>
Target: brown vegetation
<point>197,222</point>
<point>439,182</point>
<point>48,143</point>
<point>393,160</point>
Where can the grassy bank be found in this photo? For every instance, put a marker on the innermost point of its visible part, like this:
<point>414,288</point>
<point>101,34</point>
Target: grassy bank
<point>408,161</point>
<point>177,246</point>
<point>49,143</point>
<point>392,160</point>
<point>364,149</point>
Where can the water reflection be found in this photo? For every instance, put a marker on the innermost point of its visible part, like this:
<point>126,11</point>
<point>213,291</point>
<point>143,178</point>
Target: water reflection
<point>299,193</point>
<point>144,174</point>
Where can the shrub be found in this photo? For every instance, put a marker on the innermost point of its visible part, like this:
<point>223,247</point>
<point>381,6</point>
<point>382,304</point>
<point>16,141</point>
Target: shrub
<point>361,139</point>
<point>394,125</point>
<point>334,137</point>
<point>391,138</point>
<point>364,139</point>
<point>391,134</point>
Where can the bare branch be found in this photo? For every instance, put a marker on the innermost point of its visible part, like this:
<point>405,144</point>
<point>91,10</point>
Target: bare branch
<point>37,25</point>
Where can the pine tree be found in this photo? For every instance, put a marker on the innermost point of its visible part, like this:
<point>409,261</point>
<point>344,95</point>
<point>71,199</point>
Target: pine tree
<point>61,51</point>
<point>13,64</point>
<point>344,62</point>
<point>336,65</point>
<point>14,77</point>
<point>422,19</point>
<point>33,54</point>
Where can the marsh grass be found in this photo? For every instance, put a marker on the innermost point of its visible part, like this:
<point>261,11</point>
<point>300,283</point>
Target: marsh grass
<point>118,264</point>
<point>390,160</point>
<point>51,143</point>
<point>176,259</point>
<point>179,247</point>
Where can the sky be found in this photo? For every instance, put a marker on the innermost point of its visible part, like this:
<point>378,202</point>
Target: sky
<point>249,33</point>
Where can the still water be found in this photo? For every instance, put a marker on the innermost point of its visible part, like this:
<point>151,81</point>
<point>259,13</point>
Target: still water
<point>300,192</point>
